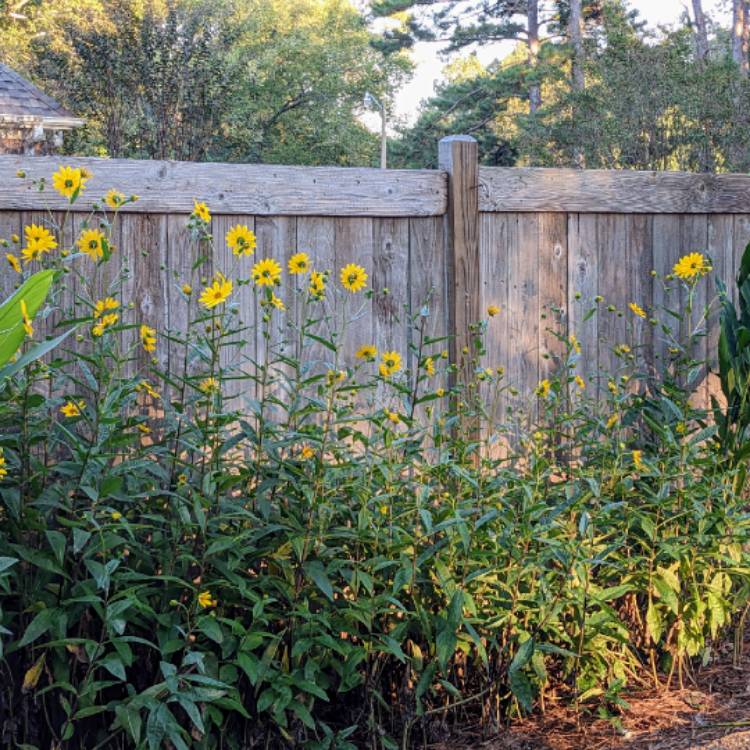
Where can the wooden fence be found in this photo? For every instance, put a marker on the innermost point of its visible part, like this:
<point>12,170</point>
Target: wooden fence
<point>528,240</point>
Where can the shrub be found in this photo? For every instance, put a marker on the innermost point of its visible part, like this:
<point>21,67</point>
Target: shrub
<point>304,551</point>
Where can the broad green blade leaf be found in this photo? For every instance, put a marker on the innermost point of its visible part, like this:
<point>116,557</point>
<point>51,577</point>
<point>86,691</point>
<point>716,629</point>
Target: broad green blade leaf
<point>33,291</point>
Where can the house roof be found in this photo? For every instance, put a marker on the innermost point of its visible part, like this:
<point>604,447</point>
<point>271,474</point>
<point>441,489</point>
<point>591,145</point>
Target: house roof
<point>21,102</point>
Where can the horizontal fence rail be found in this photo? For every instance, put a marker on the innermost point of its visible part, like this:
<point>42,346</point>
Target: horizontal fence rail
<point>171,187</point>
<point>541,244</point>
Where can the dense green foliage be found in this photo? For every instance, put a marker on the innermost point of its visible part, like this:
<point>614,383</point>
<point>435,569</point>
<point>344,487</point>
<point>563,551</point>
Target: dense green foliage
<point>258,80</point>
<point>337,556</point>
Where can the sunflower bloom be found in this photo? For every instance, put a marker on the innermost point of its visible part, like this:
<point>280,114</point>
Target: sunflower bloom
<point>241,240</point>
<point>636,309</point>
<point>353,278</point>
<point>307,453</point>
<point>91,242</point>
<point>27,325</point>
<point>367,352</point>
<point>145,387</point>
<point>208,385</point>
<point>266,272</point>
<point>580,382</point>
<point>277,302</point>
<point>114,199</point>
<point>148,338</point>
<point>691,266</point>
<point>493,310</point>
<point>72,408</point>
<point>544,388</point>
<point>299,263</point>
<point>42,238</point>
<point>200,211</point>
<point>429,366</point>
<point>638,461</point>
<point>69,181</point>
<point>205,600</point>
<point>105,322</point>
<point>317,284</point>
<point>3,470</point>
<point>101,306</point>
<point>217,292</point>
<point>390,364</point>
<point>393,416</point>
<point>13,262</point>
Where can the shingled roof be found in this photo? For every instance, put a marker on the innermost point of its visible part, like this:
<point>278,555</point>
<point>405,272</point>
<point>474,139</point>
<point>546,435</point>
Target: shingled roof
<point>23,103</point>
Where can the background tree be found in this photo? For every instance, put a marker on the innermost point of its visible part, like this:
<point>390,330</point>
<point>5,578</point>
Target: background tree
<point>246,80</point>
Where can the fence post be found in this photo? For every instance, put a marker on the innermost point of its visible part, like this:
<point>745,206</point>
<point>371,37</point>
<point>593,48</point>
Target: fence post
<point>458,155</point>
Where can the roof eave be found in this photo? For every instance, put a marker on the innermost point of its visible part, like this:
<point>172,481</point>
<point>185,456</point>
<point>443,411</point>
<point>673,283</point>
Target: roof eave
<point>48,123</point>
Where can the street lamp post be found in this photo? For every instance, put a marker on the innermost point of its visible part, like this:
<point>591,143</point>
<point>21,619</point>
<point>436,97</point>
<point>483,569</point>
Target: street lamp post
<point>371,101</point>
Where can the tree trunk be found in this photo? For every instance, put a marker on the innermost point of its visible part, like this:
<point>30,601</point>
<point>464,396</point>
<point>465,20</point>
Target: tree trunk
<point>701,35</point>
<point>739,34</point>
<point>578,81</point>
<point>535,94</point>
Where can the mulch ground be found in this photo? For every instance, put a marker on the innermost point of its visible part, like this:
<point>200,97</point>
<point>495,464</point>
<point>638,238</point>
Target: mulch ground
<point>712,712</point>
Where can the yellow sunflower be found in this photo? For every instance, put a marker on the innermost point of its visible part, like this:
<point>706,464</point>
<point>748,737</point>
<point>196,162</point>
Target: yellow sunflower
<point>544,388</point>
<point>353,278</point>
<point>277,302</point>
<point>3,470</point>
<point>241,240</point>
<point>206,600</point>
<point>105,322</point>
<point>217,292</point>
<point>101,306</point>
<point>368,352</point>
<point>429,366</point>
<point>148,338</point>
<point>390,364</point>
<point>580,382</point>
<point>114,199</point>
<point>91,242</point>
<point>13,261</point>
<point>691,266</point>
<point>41,236</point>
<point>636,309</point>
<point>200,211</point>
<point>72,408</point>
<point>493,310</point>
<point>68,181</point>
<point>208,385</point>
<point>266,272</point>
<point>317,284</point>
<point>299,263</point>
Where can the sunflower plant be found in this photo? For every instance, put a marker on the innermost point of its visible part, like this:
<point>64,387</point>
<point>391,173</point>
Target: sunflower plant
<point>277,544</point>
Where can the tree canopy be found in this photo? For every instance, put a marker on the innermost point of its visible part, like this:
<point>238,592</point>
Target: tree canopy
<point>250,80</point>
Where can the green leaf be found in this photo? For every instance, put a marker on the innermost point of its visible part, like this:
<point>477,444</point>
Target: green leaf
<point>34,353</point>
<point>6,562</point>
<point>654,623</point>
<point>33,292</point>
<point>318,574</point>
<point>38,626</point>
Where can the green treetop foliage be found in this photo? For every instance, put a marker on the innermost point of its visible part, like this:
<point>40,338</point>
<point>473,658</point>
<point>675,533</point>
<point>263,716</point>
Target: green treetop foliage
<point>258,80</point>
<point>650,101</point>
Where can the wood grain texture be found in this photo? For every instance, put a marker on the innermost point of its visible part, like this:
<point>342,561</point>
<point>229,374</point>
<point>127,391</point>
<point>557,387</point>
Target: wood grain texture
<point>171,187</point>
<point>458,156</point>
<point>616,191</point>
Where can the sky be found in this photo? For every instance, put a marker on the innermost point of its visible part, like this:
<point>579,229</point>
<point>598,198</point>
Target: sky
<point>429,64</point>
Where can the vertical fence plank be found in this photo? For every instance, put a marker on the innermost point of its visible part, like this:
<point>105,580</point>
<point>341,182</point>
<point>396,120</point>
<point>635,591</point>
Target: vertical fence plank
<point>240,350</point>
<point>553,290</point>
<point>316,235</point>
<point>458,155</point>
<point>354,243</point>
<point>583,288</point>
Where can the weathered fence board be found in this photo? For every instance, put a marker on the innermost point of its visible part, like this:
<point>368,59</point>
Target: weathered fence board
<point>610,191</point>
<point>171,187</point>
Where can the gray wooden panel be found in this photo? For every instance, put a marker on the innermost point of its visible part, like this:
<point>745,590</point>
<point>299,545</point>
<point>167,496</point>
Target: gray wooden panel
<point>497,232</point>
<point>428,288</point>
<point>168,186</point>
<point>10,224</point>
<point>553,292</point>
<point>239,351</point>
<point>316,236</point>
<point>611,191</point>
<point>583,288</point>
